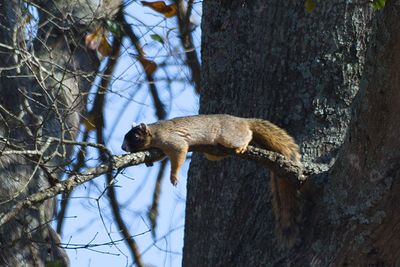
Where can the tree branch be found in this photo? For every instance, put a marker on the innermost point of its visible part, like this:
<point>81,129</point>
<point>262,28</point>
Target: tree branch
<point>153,210</point>
<point>187,41</point>
<point>98,109</point>
<point>128,31</point>
<point>274,161</point>
<point>65,197</point>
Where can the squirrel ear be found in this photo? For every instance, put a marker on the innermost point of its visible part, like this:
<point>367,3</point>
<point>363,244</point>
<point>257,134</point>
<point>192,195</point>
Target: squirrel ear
<point>144,127</point>
<point>134,124</point>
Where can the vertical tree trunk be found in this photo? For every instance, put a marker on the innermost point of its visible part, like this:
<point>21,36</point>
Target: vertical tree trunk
<point>42,86</point>
<point>331,79</point>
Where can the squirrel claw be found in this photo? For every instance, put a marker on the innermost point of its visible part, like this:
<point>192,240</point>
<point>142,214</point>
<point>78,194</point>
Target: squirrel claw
<point>240,150</point>
<point>174,181</point>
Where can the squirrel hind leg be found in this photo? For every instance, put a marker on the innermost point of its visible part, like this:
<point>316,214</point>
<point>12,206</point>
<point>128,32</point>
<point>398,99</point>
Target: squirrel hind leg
<point>238,141</point>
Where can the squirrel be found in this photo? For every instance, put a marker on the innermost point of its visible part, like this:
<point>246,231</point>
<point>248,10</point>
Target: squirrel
<point>175,136</point>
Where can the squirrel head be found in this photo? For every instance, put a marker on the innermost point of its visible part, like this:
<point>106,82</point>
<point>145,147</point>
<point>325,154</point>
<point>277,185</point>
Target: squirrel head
<point>138,138</point>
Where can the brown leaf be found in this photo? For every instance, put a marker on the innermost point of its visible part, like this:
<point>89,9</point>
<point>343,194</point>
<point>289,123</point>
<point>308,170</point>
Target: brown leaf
<point>104,47</point>
<point>148,65</point>
<point>92,40</point>
<point>160,6</point>
<point>97,40</point>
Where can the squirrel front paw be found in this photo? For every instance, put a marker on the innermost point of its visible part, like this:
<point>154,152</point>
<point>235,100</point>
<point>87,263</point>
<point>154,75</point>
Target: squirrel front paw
<point>174,180</point>
<point>241,150</point>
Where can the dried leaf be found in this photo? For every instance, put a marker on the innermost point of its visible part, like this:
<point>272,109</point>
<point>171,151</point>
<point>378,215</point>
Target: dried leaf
<point>310,5</point>
<point>160,6</point>
<point>148,65</point>
<point>92,40</point>
<point>98,41</point>
<point>104,47</point>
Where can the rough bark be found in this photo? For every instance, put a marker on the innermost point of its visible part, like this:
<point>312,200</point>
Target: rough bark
<point>331,79</point>
<point>43,84</point>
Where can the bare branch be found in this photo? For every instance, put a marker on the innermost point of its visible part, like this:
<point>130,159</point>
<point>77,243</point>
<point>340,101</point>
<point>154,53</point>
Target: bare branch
<point>274,161</point>
<point>153,211</point>
<point>121,223</point>
<point>160,109</point>
<point>99,122</point>
<point>187,41</point>
<point>65,197</point>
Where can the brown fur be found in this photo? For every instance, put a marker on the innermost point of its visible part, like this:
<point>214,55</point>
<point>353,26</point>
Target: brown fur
<point>175,136</point>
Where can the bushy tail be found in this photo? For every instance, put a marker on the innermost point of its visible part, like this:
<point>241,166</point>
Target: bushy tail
<point>286,206</point>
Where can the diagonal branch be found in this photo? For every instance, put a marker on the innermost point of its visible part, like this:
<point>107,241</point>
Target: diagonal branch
<point>98,109</point>
<point>128,31</point>
<point>274,161</point>
<point>187,41</point>
<point>65,197</point>
<point>153,211</point>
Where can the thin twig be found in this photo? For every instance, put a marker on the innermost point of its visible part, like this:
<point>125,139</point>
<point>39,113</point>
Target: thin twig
<point>98,109</point>
<point>160,109</point>
<point>65,197</point>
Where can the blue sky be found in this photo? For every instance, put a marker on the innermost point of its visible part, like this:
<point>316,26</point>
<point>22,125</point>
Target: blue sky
<point>89,218</point>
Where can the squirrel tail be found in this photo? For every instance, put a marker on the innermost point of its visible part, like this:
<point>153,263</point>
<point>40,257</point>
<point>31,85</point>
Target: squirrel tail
<point>286,205</point>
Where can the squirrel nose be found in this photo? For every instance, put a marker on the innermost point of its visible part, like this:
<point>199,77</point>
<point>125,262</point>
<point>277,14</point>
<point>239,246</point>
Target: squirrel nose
<point>124,147</point>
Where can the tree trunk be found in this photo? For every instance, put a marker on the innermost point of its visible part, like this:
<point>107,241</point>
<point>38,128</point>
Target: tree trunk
<point>42,86</point>
<point>331,78</point>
